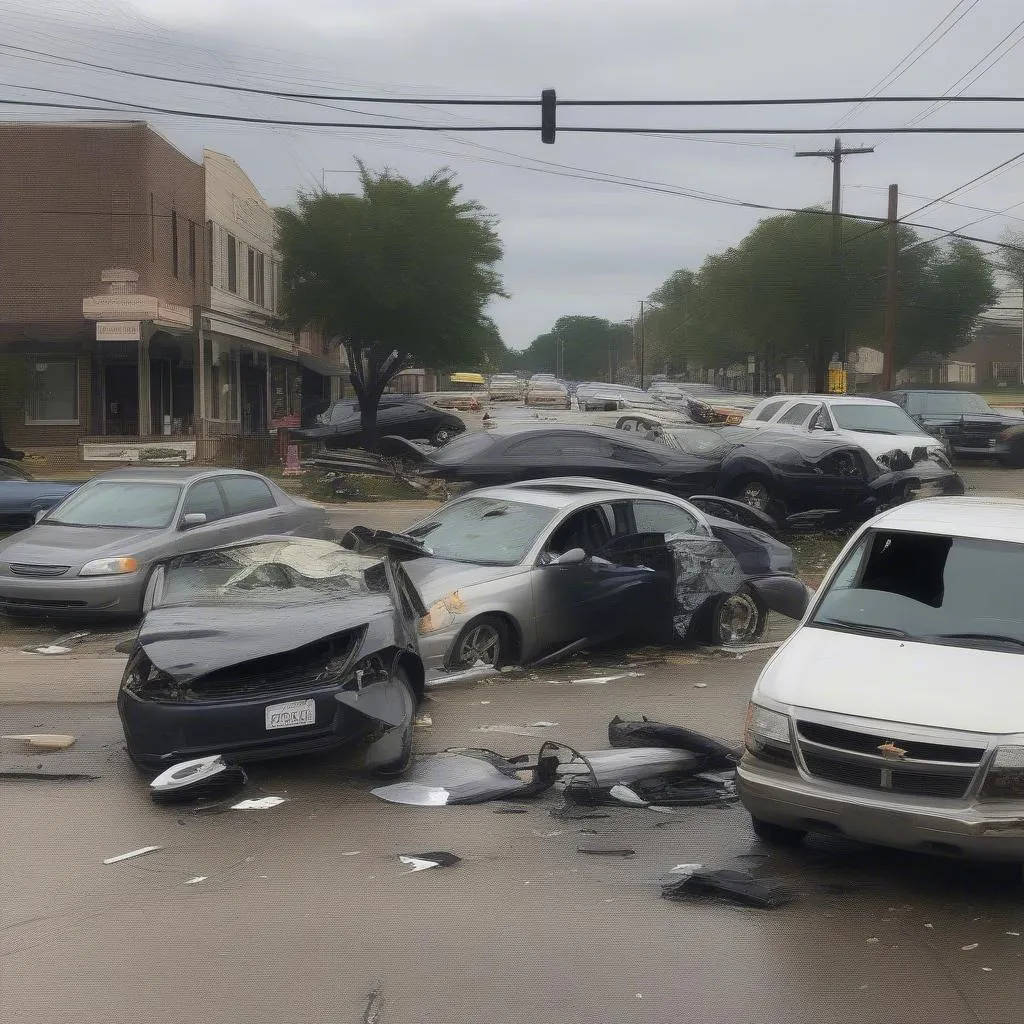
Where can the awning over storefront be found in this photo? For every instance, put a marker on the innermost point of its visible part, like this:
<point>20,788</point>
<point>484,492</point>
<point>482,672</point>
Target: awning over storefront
<point>320,365</point>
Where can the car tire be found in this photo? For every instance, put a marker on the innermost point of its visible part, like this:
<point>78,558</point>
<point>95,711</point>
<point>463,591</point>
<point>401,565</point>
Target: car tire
<point>486,639</point>
<point>776,835</point>
<point>739,618</point>
<point>759,494</point>
<point>442,436</point>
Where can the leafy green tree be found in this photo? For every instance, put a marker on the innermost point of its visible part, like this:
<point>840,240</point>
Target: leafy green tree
<point>401,274</point>
<point>1012,256</point>
<point>779,294</point>
<point>589,345</point>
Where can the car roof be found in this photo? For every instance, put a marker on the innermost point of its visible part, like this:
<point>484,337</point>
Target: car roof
<point>979,518</point>
<point>169,474</point>
<point>565,491</point>
<point>844,399</point>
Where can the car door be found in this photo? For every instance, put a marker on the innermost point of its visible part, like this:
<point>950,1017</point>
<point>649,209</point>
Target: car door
<point>796,417</point>
<point>252,509</point>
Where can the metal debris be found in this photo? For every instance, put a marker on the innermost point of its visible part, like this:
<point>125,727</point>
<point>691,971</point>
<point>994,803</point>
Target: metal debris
<point>607,851</point>
<point>202,777</point>
<point>736,886</point>
<point>424,861</point>
<point>260,804</point>
<point>132,853</point>
<point>196,880</point>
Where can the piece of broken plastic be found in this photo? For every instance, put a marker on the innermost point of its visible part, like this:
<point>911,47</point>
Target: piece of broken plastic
<point>736,886</point>
<point>130,854</point>
<point>43,740</point>
<point>467,775</point>
<point>201,778</point>
<point>423,861</point>
<point>711,753</point>
<point>625,795</point>
<point>626,765</point>
<point>260,804</point>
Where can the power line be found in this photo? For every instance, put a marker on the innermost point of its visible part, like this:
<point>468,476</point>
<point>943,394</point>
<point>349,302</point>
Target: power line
<point>967,184</point>
<point>501,102</point>
<point>889,78</point>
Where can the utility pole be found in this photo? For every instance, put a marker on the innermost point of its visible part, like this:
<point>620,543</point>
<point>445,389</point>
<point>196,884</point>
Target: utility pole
<point>835,154</point>
<point>891,289</point>
<point>642,343</point>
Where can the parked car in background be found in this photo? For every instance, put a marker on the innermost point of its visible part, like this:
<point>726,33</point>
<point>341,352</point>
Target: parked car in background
<point>272,647</point>
<point>598,397</point>
<point>505,387</point>
<point>547,393</point>
<point>341,427</point>
<point>698,409</point>
<point>93,553</point>
<point>533,570</point>
<point>892,715</point>
<point>22,497</point>
<point>877,426</point>
<point>966,421</point>
<point>810,479</point>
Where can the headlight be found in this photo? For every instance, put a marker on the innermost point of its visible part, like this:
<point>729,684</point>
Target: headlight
<point>143,679</point>
<point>767,736</point>
<point>115,566</point>
<point>442,613</point>
<point>1005,777</point>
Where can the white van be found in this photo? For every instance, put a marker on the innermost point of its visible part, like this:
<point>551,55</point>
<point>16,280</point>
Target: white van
<point>894,714</point>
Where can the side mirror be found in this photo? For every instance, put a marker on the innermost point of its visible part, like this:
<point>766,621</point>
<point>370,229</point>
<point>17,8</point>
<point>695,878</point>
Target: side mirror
<point>783,594</point>
<point>192,519</point>
<point>571,557</point>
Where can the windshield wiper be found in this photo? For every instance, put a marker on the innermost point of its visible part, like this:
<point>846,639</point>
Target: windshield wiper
<point>982,637</point>
<point>864,627</point>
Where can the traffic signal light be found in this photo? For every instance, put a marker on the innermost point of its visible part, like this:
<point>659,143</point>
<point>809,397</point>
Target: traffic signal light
<point>547,116</point>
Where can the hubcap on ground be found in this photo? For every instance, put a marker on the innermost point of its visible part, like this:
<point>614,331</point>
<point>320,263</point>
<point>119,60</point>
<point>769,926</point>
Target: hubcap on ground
<point>480,644</point>
<point>738,619</point>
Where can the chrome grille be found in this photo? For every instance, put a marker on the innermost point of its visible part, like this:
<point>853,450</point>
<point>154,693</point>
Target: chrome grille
<point>854,758</point>
<point>28,569</point>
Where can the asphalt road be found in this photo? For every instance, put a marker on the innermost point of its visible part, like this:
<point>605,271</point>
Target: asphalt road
<point>304,909</point>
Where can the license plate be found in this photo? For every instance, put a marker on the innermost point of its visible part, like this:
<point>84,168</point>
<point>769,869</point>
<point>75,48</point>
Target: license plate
<point>291,715</point>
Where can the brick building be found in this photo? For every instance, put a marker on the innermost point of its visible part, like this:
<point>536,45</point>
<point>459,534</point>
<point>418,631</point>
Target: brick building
<point>139,293</point>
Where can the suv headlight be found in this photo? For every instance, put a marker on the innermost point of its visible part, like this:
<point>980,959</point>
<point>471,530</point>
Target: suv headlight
<point>767,736</point>
<point>115,566</point>
<point>1005,777</point>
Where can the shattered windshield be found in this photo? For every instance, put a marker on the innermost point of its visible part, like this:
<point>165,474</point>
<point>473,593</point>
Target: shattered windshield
<point>929,588</point>
<point>873,419</point>
<point>484,531</point>
<point>272,572</point>
<point>709,441</point>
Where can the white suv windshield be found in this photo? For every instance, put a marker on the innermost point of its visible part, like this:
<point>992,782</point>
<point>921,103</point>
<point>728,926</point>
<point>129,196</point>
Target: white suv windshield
<point>873,419</point>
<point>929,588</point>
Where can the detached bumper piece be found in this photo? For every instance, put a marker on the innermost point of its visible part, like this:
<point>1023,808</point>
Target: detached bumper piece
<point>198,779</point>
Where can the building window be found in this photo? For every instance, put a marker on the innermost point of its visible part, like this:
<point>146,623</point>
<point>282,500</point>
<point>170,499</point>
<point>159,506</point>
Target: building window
<point>174,242</point>
<point>251,294</point>
<point>232,264</point>
<point>52,392</point>
<point>222,381</point>
<point>192,249</point>
<point>209,252</point>
<point>260,291</point>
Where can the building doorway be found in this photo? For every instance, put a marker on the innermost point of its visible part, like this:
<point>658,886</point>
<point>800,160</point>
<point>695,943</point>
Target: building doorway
<point>121,399</point>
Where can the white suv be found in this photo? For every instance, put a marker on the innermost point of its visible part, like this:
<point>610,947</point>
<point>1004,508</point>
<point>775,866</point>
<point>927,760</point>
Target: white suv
<point>877,426</point>
<point>894,714</point>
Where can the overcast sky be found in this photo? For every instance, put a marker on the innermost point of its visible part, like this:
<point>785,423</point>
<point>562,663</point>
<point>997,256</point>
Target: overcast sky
<point>571,245</point>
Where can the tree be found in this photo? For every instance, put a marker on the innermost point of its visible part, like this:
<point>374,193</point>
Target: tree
<point>589,345</point>
<point>1012,256</point>
<point>777,294</point>
<point>398,274</point>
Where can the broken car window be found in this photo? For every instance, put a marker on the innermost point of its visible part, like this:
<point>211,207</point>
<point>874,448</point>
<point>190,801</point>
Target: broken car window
<point>484,531</point>
<point>271,572</point>
<point>931,588</point>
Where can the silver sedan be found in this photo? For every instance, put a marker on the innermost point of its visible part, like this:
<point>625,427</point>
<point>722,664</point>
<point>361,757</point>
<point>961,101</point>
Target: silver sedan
<point>93,553</point>
<point>520,573</point>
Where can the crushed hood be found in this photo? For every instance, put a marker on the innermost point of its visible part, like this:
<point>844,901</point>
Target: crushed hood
<point>190,642</point>
<point>894,680</point>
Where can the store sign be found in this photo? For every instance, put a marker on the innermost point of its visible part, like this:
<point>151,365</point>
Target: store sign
<point>119,330</point>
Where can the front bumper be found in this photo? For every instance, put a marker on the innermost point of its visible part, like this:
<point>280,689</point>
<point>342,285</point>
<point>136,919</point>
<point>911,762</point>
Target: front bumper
<point>162,733</point>
<point>951,828</point>
<point>73,595</point>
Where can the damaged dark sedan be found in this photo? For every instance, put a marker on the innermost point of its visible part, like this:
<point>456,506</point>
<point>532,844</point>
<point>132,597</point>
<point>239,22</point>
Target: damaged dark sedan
<point>809,479</point>
<point>270,648</point>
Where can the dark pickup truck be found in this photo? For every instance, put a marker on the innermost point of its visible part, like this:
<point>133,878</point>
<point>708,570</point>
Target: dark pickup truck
<point>967,422</point>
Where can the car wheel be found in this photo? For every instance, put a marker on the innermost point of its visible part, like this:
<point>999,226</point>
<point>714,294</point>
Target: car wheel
<point>776,835</point>
<point>755,493</point>
<point>390,754</point>
<point>485,640</point>
<point>738,618</point>
<point>441,436</point>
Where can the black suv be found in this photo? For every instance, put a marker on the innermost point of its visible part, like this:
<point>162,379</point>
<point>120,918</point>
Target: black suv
<point>966,421</point>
